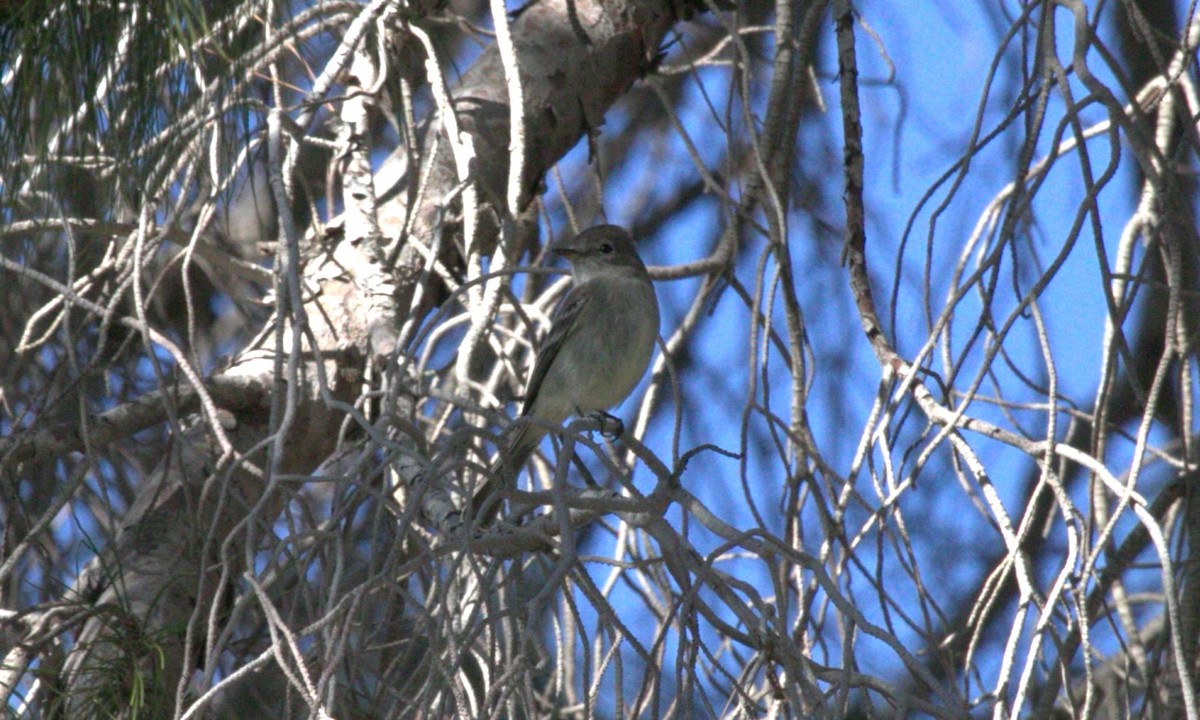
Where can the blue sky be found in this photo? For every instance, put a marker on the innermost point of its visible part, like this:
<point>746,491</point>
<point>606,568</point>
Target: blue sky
<point>915,128</point>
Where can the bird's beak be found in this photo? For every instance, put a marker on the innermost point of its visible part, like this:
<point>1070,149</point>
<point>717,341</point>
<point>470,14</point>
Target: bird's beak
<point>566,251</point>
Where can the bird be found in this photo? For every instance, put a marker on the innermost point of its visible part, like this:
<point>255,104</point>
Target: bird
<point>601,339</point>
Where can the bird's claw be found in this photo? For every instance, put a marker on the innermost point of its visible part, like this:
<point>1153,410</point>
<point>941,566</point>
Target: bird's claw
<point>611,426</point>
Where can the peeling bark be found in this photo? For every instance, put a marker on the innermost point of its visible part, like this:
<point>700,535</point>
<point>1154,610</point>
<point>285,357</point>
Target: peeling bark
<point>181,549</point>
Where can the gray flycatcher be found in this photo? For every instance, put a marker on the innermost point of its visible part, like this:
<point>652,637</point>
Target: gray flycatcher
<point>601,338</point>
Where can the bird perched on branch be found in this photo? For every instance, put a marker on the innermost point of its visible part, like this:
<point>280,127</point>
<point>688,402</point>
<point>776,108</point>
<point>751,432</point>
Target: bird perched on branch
<point>601,338</point>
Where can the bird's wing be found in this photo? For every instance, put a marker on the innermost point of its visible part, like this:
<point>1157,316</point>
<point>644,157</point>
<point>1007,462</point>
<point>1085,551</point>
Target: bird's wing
<point>562,326</point>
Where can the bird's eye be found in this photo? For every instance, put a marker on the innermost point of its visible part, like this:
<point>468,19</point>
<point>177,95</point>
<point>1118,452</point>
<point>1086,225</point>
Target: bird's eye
<point>606,248</point>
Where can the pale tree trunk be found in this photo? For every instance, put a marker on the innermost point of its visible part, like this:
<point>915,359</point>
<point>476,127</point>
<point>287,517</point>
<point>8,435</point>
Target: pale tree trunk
<point>919,438</point>
<point>166,583</point>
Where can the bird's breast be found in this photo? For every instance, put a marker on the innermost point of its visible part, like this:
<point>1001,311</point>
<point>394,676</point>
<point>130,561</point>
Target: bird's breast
<point>615,344</point>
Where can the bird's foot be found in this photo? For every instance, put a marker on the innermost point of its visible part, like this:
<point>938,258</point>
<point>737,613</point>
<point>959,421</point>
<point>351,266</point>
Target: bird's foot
<point>610,426</point>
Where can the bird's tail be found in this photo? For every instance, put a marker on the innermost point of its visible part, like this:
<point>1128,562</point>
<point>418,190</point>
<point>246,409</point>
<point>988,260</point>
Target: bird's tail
<point>504,470</point>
